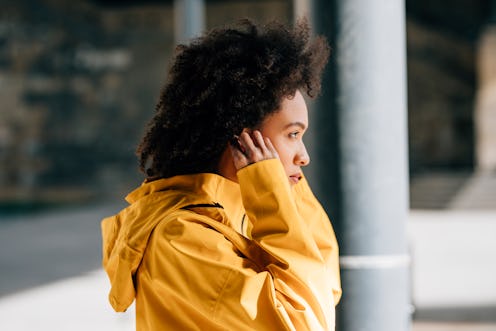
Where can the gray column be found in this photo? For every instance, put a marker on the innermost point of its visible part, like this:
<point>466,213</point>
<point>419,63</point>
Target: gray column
<point>362,170</point>
<point>189,19</point>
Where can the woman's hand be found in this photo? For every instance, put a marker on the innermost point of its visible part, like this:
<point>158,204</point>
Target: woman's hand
<point>248,149</point>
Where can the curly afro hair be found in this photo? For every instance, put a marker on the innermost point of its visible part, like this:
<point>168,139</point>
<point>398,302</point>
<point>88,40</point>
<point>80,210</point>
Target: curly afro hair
<point>229,79</point>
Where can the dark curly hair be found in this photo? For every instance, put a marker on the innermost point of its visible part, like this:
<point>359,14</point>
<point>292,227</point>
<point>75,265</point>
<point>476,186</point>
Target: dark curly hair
<point>227,80</point>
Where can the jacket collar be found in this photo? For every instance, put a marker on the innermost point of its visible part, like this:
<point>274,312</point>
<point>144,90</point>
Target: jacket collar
<point>198,189</point>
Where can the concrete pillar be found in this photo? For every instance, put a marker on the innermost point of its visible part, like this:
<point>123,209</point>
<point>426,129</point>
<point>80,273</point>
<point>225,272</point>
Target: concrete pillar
<point>189,19</point>
<point>362,168</point>
<point>485,108</point>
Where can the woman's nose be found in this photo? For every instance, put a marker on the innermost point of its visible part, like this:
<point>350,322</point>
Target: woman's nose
<point>302,158</point>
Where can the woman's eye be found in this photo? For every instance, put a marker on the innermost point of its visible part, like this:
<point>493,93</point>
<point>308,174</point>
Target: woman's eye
<point>294,134</point>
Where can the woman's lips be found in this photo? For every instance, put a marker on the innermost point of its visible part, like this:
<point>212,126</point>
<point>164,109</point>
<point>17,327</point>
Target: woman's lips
<point>294,179</point>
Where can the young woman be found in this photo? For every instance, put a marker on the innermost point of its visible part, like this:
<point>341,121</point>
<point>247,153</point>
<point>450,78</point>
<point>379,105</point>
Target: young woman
<point>225,233</point>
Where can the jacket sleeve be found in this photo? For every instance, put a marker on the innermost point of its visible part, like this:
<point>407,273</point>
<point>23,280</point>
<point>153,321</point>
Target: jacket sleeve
<point>320,226</point>
<point>289,224</point>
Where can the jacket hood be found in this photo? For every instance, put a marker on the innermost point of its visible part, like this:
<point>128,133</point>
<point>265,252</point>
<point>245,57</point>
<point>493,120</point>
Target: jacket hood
<point>125,235</point>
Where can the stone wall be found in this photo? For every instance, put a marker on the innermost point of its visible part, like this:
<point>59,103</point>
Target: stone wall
<point>77,83</point>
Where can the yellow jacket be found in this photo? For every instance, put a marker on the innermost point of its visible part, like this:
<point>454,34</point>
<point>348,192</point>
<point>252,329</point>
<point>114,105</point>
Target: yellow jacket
<point>200,252</point>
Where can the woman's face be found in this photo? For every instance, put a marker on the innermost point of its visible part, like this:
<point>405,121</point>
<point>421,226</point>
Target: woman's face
<point>285,129</point>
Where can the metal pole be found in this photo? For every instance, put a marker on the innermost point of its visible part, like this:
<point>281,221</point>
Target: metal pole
<point>189,19</point>
<point>362,171</point>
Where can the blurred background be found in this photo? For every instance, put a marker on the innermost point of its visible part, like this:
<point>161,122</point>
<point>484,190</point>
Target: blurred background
<point>79,80</point>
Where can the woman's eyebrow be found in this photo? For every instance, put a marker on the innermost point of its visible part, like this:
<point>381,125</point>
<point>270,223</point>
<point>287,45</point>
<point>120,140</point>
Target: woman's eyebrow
<point>300,124</point>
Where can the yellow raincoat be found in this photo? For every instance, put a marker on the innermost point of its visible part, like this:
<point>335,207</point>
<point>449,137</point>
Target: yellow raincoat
<point>200,252</point>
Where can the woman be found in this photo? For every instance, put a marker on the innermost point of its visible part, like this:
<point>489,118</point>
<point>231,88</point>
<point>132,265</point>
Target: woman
<point>225,233</point>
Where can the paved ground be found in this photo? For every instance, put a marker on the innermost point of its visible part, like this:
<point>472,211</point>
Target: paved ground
<point>460,326</point>
<point>51,280</point>
<point>454,258</point>
<point>454,270</point>
<point>41,248</point>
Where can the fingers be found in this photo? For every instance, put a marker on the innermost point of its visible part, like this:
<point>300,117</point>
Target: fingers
<point>249,146</point>
<point>261,142</point>
<point>271,147</point>
<point>239,158</point>
<point>255,147</point>
<point>252,148</point>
